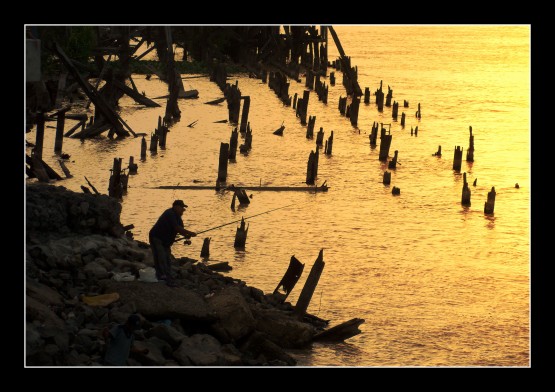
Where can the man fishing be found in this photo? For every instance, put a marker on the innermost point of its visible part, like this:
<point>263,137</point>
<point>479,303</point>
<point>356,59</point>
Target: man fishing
<point>162,236</point>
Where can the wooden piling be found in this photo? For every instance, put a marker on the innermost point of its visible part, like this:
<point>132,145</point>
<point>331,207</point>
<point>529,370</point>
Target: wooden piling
<point>405,103</point>
<point>205,251</point>
<point>367,95</point>
<point>416,131</point>
<point>115,187</point>
<point>465,198</point>
<point>290,279</point>
<point>245,113</point>
<point>295,101</point>
<point>132,166</point>
<point>385,143</point>
<point>60,130</point>
<point>393,163</point>
<point>475,182</point>
<point>310,128</point>
<point>222,167</point>
<point>332,78</point>
<point>403,119</point>
<point>395,191</point>
<point>233,201</point>
<point>386,178</point>
<point>329,145</point>
<point>242,196</point>
<point>306,96</point>
<point>353,116</point>
<point>153,143</point>
<point>374,135</point>
<point>489,205</point>
<point>388,97</point>
<point>470,150</point>
<point>320,137</point>
<point>310,169</point>
<point>37,150</point>
<point>395,110</point>
<point>457,159</point>
<point>309,286</point>
<point>418,114</point>
<point>241,235</point>
<point>438,152</point>
<point>143,148</point>
<point>233,140</point>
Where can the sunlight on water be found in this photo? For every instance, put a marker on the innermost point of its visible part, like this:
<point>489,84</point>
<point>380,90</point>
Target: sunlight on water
<point>437,283</point>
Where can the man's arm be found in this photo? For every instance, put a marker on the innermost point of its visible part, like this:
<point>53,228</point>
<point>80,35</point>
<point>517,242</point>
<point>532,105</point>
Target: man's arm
<point>186,233</point>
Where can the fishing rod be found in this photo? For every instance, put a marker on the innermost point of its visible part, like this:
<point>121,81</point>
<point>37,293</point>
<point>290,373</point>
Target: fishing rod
<point>235,221</point>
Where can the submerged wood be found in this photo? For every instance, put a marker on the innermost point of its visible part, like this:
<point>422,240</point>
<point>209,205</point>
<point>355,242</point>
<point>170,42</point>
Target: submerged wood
<point>310,286</point>
<point>340,332</point>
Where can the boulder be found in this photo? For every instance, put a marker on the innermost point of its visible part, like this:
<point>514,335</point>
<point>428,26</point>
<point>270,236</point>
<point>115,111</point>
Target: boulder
<point>235,318</point>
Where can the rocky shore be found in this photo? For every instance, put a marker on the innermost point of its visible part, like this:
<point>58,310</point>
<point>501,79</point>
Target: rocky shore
<point>76,249</point>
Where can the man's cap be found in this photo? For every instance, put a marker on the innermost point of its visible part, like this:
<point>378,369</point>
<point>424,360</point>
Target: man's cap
<point>134,320</point>
<point>180,203</point>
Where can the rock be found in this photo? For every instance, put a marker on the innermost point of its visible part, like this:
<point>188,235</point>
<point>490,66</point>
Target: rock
<point>43,293</point>
<point>96,269</point>
<point>33,340</point>
<point>158,301</point>
<point>154,356</point>
<point>167,334</point>
<point>235,317</point>
<point>38,311</point>
<point>257,344</point>
<point>203,350</point>
<point>282,328</point>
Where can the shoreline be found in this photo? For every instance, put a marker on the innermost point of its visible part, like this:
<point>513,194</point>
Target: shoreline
<point>76,246</point>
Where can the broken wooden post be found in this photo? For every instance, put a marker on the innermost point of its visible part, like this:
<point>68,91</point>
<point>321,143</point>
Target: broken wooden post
<point>115,187</point>
<point>37,150</point>
<point>386,178</point>
<point>457,159</point>
<point>389,96</point>
<point>475,182</point>
<point>310,128</point>
<point>340,332</point>
<point>342,105</point>
<point>393,163</point>
<point>367,95</point>
<point>310,168</point>
<point>295,101</point>
<point>374,135</point>
<point>329,145</point>
<point>85,189</point>
<point>60,130</point>
<point>153,143</point>
<point>418,114</point>
<point>385,143</point>
<point>38,169</point>
<point>205,251</point>
<point>92,186</point>
<point>242,196</point>
<point>232,199</point>
<point>489,205</point>
<point>416,131</point>
<point>395,110</point>
<point>241,235</point>
<point>438,152</point>
<point>396,191</point>
<point>405,103</point>
<point>222,166</point>
<point>132,166</point>
<point>465,199</point>
<point>233,140</point>
<point>64,169</point>
<point>470,150</point>
<point>245,114</point>
<point>290,279</point>
<point>403,119</point>
<point>320,137</point>
<point>143,148</point>
<point>306,96</point>
<point>353,115</point>
<point>309,286</point>
<point>332,78</point>
<point>123,180</point>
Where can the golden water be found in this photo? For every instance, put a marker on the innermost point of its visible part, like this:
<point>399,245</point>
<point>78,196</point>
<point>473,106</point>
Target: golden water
<point>437,283</point>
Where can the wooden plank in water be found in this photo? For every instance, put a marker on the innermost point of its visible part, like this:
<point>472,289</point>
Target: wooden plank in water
<point>340,332</point>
